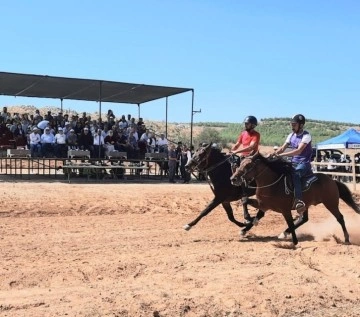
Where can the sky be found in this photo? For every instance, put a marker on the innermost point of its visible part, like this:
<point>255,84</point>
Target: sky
<point>267,58</point>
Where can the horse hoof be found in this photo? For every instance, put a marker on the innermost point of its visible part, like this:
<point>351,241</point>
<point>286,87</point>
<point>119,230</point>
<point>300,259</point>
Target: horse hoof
<point>282,236</point>
<point>255,221</point>
<point>242,233</point>
<point>187,227</point>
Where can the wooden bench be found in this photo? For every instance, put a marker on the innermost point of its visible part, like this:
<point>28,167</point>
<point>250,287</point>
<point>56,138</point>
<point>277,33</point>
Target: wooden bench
<point>18,153</point>
<point>155,156</point>
<point>116,154</point>
<point>78,153</point>
<point>68,169</point>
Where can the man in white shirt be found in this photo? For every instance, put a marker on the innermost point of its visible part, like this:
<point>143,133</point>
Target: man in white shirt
<point>60,143</point>
<point>99,150</point>
<point>47,143</point>
<point>35,145</point>
<point>162,144</point>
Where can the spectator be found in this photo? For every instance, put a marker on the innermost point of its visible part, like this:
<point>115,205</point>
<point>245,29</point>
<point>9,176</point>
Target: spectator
<point>71,140</point>
<point>172,163</point>
<point>123,124</point>
<point>60,143</point>
<point>19,135</point>
<point>110,141</point>
<point>47,143</point>
<point>5,114</point>
<point>99,143</point>
<point>86,141</point>
<point>151,143</point>
<point>185,157</point>
<point>35,145</point>
<point>162,144</point>
<point>178,158</point>
<point>132,144</point>
<point>121,142</point>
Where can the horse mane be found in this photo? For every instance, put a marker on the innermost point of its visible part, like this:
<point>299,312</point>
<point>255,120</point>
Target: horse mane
<point>278,165</point>
<point>217,154</point>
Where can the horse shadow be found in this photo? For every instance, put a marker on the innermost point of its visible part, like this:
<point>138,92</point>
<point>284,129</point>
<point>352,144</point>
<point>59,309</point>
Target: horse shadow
<point>255,238</point>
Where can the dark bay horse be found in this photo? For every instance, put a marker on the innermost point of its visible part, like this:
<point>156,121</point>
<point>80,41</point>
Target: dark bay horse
<point>273,191</point>
<point>217,167</point>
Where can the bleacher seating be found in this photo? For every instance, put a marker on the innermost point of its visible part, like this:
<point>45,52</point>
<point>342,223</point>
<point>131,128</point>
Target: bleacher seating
<point>116,154</point>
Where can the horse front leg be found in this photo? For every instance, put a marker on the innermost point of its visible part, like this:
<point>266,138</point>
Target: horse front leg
<point>214,203</point>
<point>254,222</point>
<point>299,222</point>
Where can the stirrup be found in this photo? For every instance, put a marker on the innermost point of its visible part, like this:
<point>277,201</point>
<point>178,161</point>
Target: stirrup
<point>300,206</point>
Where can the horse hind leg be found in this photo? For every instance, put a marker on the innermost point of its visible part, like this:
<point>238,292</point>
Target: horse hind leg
<point>230,214</point>
<point>340,219</point>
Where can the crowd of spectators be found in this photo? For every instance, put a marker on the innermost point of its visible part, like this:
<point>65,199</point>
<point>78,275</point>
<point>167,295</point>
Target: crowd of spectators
<point>53,135</point>
<point>63,132</point>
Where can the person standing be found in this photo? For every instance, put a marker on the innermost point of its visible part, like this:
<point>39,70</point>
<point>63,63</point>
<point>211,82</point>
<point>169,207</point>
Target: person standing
<point>299,140</point>
<point>172,156</point>
<point>185,157</point>
<point>178,151</point>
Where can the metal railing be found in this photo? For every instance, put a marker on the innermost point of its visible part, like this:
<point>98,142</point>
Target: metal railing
<point>348,172</point>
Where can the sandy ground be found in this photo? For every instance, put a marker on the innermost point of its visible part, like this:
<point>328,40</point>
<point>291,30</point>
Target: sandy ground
<point>120,250</point>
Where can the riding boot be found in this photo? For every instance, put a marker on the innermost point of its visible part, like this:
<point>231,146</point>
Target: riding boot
<point>299,205</point>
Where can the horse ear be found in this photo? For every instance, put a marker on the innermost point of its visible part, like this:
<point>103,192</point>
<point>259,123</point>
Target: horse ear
<point>208,146</point>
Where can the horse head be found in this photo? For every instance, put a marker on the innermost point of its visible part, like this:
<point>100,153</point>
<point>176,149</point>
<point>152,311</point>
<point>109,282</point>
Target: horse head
<point>200,158</point>
<point>246,171</point>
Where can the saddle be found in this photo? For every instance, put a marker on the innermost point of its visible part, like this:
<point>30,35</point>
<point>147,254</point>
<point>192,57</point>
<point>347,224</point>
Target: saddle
<point>306,182</point>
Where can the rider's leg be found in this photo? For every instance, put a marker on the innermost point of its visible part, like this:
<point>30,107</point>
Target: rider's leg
<point>296,176</point>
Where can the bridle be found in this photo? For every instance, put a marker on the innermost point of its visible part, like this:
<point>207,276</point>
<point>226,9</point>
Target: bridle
<point>205,160</point>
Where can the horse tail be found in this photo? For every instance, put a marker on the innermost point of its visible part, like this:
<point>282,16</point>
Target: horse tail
<point>346,196</point>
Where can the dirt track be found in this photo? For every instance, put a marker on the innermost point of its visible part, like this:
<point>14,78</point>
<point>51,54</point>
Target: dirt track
<point>120,250</point>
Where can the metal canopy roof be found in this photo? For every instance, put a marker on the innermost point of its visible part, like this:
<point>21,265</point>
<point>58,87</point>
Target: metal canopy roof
<point>43,86</point>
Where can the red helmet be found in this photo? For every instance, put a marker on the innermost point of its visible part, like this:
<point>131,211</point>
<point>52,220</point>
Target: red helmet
<point>298,118</point>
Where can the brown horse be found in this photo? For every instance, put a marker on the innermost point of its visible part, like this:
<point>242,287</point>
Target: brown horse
<point>273,191</point>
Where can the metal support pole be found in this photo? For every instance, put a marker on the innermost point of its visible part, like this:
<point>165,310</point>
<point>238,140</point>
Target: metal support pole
<point>192,119</point>
<point>192,115</point>
<point>100,120</point>
<point>166,118</point>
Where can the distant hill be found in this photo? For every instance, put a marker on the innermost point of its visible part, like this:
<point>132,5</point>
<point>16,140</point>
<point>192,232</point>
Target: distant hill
<point>273,130</point>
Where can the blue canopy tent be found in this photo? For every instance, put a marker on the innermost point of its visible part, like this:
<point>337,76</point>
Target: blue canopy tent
<point>350,139</point>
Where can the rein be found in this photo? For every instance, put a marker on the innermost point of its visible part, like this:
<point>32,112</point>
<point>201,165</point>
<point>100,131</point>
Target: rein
<point>211,168</point>
<point>265,186</point>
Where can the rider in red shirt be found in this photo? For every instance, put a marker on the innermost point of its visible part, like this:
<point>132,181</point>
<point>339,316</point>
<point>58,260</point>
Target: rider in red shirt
<point>249,140</point>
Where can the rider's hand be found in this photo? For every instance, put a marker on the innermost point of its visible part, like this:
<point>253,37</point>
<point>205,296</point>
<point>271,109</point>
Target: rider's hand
<point>272,155</point>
